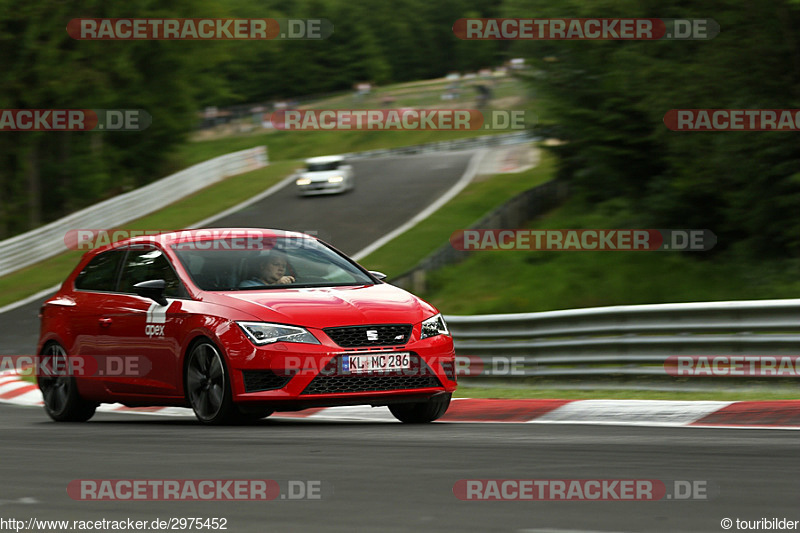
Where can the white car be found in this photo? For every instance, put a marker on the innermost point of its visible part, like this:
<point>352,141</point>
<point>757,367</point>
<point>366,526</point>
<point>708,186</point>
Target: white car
<point>328,174</point>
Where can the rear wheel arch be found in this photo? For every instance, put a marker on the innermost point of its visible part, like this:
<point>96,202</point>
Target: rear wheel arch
<point>62,400</point>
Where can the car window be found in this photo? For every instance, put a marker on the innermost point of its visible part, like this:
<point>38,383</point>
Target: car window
<point>218,266</point>
<point>321,167</point>
<point>149,264</point>
<point>100,274</point>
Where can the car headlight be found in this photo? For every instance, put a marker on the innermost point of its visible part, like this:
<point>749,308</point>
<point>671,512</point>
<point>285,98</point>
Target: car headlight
<point>435,325</point>
<point>335,179</point>
<point>261,333</point>
<point>303,181</point>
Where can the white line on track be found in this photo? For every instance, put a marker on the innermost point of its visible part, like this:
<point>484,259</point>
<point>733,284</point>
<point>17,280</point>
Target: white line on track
<point>466,178</point>
<point>29,299</point>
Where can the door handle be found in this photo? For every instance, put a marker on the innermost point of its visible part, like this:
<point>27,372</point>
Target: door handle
<point>105,322</point>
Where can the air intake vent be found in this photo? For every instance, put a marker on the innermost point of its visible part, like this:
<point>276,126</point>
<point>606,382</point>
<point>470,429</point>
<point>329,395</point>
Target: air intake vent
<point>261,380</point>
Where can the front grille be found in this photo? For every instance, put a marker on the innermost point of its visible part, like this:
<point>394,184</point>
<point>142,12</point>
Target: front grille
<point>332,380</point>
<point>261,380</point>
<point>378,335</point>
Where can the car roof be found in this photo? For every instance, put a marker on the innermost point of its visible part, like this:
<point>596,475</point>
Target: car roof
<point>325,159</point>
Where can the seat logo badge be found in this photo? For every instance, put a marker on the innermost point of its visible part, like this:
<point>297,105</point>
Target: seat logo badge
<point>372,334</point>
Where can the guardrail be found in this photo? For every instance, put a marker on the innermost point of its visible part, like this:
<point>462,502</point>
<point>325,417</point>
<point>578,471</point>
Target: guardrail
<point>631,340</point>
<point>469,143</point>
<point>47,241</point>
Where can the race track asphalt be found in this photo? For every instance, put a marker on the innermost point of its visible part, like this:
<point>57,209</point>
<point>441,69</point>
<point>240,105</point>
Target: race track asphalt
<point>392,477</point>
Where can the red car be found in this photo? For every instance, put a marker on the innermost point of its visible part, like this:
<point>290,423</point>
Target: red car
<point>238,324</point>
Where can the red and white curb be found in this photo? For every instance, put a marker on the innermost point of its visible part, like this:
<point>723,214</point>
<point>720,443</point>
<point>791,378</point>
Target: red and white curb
<point>784,414</point>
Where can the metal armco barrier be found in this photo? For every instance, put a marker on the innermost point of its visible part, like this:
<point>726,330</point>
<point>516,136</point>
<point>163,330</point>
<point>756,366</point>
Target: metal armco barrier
<point>47,241</point>
<point>630,340</point>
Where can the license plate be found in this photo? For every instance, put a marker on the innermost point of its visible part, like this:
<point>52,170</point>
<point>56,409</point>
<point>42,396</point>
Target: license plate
<point>376,362</point>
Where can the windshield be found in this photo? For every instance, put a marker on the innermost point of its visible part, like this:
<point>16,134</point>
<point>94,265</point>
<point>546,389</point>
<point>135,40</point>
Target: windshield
<point>322,167</point>
<point>279,263</point>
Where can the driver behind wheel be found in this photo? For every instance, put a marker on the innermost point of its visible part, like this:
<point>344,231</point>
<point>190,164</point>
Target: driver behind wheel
<point>271,270</point>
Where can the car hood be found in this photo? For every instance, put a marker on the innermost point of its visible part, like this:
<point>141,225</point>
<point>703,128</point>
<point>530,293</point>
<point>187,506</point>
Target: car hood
<point>324,307</point>
<point>322,175</point>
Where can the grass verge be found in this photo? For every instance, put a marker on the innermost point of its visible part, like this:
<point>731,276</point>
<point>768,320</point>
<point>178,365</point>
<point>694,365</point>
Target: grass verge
<point>532,281</point>
<point>284,145</point>
<point>476,200</point>
<point>510,93</point>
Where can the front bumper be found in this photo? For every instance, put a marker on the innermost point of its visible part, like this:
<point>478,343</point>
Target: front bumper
<point>321,187</point>
<point>292,376</point>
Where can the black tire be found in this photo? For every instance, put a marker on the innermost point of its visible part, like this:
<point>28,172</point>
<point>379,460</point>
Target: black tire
<point>62,402</point>
<point>253,415</point>
<point>208,387</point>
<point>421,412</point>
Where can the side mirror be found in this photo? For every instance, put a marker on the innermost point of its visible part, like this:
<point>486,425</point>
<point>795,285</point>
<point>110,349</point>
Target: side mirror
<point>153,289</point>
<point>380,276</point>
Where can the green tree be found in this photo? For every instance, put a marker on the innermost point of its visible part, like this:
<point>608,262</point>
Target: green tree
<point>608,100</point>
<point>46,175</point>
